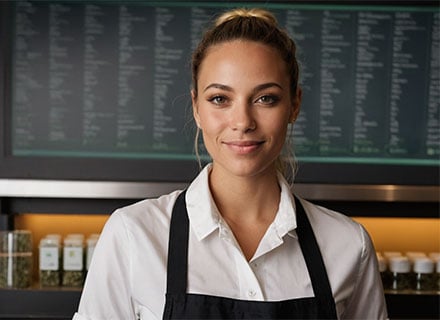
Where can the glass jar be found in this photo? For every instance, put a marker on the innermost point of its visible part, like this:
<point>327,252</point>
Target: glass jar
<point>73,262</point>
<point>437,275</point>
<point>49,262</point>
<point>423,269</point>
<point>434,255</point>
<point>16,259</point>
<point>383,269</point>
<point>400,268</point>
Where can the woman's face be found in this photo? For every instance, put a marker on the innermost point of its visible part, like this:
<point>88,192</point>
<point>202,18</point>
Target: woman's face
<point>243,106</point>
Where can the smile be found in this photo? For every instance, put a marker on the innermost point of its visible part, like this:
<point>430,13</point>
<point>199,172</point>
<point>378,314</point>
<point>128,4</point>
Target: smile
<point>243,147</point>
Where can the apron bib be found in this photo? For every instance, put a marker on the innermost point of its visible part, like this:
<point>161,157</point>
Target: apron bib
<point>182,305</point>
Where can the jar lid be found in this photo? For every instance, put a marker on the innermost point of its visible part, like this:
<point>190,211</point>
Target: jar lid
<point>53,236</point>
<point>75,235</point>
<point>73,242</point>
<point>412,255</point>
<point>423,265</point>
<point>434,255</point>
<point>49,242</point>
<point>400,264</point>
<point>390,254</point>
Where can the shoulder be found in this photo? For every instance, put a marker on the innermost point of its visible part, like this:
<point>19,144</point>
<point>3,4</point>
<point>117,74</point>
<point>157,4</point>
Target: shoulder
<point>327,223</point>
<point>344,243</point>
<point>149,216</point>
<point>160,207</point>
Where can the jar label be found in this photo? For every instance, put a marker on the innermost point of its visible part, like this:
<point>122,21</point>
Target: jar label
<point>73,258</point>
<point>49,258</point>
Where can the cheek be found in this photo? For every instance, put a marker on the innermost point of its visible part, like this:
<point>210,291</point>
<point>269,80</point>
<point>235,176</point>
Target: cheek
<point>211,123</point>
<point>278,124</point>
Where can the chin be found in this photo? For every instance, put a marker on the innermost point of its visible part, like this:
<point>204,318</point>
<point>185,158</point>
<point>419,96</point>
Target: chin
<point>248,169</point>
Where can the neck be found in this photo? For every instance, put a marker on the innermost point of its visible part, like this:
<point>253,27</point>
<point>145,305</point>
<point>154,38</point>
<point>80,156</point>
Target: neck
<point>247,204</point>
<point>246,198</point>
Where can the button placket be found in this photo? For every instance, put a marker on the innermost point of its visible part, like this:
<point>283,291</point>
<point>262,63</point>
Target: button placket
<point>249,286</point>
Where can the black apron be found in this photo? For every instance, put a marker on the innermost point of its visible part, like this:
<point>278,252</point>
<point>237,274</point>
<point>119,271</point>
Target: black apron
<point>182,305</point>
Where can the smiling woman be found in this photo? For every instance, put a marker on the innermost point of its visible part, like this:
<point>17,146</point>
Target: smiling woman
<point>244,123</point>
<point>237,243</point>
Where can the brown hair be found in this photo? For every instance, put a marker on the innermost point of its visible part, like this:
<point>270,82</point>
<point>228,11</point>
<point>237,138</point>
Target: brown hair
<point>248,24</point>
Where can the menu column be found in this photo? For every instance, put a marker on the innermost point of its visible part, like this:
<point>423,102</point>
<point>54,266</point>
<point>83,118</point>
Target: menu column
<point>65,77</point>
<point>30,80</point>
<point>170,78</point>
<point>100,83</point>
<point>135,85</point>
<point>337,59</point>
<point>408,82</point>
<point>306,32</point>
<point>373,52</point>
<point>433,110</point>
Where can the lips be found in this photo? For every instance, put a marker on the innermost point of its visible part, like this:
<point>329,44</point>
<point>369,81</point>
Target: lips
<point>243,147</point>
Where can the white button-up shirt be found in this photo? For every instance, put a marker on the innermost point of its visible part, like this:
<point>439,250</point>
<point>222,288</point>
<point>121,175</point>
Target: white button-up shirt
<point>127,277</point>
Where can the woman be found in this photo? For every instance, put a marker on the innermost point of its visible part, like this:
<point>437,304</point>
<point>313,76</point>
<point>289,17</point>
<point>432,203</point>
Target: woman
<point>236,243</point>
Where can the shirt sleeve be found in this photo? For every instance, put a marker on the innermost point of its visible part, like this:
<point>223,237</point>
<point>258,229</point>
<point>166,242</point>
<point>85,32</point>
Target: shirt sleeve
<point>367,300</point>
<point>107,290</point>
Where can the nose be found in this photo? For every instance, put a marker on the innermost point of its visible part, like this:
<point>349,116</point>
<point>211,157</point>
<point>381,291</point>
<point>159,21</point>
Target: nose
<point>242,118</point>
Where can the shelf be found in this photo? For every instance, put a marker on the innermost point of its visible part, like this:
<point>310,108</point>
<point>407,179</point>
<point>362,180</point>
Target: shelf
<point>62,303</point>
<point>412,304</point>
<point>36,303</point>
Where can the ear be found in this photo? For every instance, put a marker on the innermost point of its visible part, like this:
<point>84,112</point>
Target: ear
<point>195,108</point>
<point>296,105</point>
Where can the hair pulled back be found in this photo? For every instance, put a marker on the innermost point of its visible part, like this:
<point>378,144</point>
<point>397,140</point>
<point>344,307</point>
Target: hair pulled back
<point>257,25</point>
<point>261,26</point>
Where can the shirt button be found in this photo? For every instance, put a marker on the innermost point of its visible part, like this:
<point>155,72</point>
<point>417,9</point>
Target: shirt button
<point>251,293</point>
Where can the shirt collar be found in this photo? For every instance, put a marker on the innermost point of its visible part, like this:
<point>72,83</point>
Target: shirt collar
<point>205,217</point>
<point>202,211</point>
<point>285,220</point>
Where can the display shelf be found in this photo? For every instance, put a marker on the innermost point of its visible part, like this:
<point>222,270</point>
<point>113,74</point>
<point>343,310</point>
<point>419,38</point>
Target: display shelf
<point>39,303</point>
<point>411,304</point>
<point>61,303</point>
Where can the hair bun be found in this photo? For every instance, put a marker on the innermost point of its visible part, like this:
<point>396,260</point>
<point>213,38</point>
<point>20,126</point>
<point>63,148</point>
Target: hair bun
<point>246,13</point>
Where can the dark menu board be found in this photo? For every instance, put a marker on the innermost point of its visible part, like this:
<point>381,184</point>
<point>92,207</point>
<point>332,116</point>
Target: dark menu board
<point>112,79</point>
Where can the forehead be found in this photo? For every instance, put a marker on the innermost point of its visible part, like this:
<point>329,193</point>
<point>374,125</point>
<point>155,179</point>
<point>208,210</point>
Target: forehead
<point>241,60</point>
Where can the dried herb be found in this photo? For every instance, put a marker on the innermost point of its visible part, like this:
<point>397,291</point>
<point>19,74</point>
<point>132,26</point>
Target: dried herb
<point>15,259</point>
<point>73,278</point>
<point>50,278</point>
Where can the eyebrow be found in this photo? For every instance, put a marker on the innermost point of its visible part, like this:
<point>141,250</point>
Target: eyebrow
<point>256,89</point>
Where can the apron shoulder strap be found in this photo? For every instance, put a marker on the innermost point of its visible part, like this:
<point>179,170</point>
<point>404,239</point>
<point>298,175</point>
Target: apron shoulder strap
<point>315,264</point>
<point>177,265</point>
